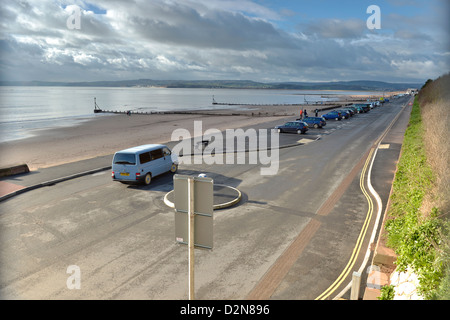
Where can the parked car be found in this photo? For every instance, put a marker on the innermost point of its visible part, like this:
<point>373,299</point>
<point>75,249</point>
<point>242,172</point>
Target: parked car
<point>350,110</point>
<point>316,122</point>
<point>141,164</point>
<point>345,113</point>
<point>336,115</point>
<point>355,111</point>
<point>359,109</point>
<point>293,127</point>
<point>363,106</point>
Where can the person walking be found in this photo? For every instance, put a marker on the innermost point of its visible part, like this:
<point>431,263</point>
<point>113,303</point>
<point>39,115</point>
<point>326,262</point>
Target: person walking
<point>301,114</point>
<point>316,112</point>
<point>305,114</point>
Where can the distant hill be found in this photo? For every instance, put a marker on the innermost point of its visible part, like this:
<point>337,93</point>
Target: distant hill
<point>359,85</point>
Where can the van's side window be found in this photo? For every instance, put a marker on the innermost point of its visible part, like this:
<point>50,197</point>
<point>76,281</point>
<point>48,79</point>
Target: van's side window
<point>156,154</point>
<point>144,157</point>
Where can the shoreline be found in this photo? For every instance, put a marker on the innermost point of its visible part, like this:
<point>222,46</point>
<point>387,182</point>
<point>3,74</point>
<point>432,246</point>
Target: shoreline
<point>100,136</point>
<point>105,135</point>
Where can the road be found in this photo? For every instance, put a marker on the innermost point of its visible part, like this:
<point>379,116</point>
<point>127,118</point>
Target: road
<point>290,237</point>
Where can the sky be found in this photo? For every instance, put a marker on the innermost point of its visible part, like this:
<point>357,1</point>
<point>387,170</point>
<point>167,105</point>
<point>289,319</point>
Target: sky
<point>259,40</point>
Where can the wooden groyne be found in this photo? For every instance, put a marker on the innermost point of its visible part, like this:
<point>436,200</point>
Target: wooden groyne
<point>257,104</point>
<point>97,109</point>
<point>247,113</point>
<point>203,113</point>
<point>307,103</point>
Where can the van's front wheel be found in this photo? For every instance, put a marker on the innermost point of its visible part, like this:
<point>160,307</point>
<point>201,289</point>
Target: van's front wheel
<point>148,179</point>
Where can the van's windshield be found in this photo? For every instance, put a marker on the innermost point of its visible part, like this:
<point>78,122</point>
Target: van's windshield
<point>125,158</point>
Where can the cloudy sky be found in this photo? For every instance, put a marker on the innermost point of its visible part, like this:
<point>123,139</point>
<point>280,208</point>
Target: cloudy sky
<point>261,40</point>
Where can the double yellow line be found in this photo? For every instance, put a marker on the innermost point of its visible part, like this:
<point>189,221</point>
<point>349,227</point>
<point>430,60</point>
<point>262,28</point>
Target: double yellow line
<point>361,236</point>
<point>363,232</point>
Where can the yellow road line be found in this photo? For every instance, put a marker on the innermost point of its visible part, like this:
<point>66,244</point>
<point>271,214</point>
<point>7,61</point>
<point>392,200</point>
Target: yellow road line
<point>360,239</point>
<point>358,245</point>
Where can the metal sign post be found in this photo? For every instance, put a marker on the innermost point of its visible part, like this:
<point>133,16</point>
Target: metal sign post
<point>191,243</point>
<point>193,216</point>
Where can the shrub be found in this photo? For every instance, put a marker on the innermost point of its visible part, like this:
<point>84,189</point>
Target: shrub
<point>387,293</point>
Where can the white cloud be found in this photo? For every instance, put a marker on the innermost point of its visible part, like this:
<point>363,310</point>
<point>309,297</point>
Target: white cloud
<point>337,28</point>
<point>417,68</point>
<point>85,59</point>
<point>203,39</point>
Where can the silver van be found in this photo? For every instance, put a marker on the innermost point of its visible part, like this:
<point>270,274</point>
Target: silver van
<point>141,164</point>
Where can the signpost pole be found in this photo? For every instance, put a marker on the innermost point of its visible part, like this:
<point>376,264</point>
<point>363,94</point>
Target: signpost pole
<point>194,199</point>
<point>191,243</point>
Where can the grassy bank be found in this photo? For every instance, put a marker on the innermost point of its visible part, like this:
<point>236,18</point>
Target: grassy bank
<point>417,224</point>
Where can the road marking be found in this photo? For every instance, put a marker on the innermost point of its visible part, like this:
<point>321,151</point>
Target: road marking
<point>305,141</point>
<point>271,280</point>
<point>375,147</point>
<point>384,146</point>
<point>375,228</point>
<point>378,199</point>
<point>360,239</point>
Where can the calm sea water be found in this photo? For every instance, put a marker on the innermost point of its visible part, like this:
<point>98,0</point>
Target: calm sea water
<point>25,110</point>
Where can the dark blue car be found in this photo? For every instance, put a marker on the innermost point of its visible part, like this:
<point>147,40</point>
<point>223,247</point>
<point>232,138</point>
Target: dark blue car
<point>293,127</point>
<point>345,114</point>
<point>316,122</point>
<point>336,115</point>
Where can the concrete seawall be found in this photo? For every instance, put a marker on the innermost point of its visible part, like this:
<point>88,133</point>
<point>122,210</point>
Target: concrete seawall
<point>10,171</point>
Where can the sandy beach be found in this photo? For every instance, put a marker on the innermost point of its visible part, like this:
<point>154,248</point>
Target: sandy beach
<point>107,134</point>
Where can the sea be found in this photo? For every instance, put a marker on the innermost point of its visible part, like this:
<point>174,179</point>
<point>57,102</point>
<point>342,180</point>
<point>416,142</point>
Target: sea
<point>24,111</point>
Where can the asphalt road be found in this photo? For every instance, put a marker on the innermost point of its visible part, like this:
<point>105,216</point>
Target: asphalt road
<point>290,237</point>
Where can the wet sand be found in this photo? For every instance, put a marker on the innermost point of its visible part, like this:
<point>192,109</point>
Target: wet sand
<point>109,133</point>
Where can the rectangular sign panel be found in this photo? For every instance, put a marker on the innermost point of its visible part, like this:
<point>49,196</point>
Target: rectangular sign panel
<point>203,209</point>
